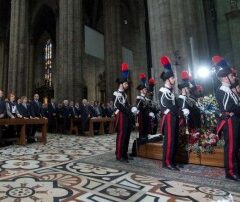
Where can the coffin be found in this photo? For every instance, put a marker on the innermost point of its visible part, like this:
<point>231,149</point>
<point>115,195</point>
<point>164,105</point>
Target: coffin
<point>154,151</point>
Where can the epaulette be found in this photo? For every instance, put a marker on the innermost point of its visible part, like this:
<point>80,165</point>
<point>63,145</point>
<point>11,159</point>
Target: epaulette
<point>182,97</point>
<point>117,94</point>
<point>164,90</point>
<point>140,98</point>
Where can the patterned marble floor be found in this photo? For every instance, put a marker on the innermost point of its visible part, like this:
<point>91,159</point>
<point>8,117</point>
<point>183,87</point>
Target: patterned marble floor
<point>58,171</point>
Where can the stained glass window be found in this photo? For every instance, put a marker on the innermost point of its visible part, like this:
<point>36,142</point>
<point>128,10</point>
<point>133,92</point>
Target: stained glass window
<point>48,63</point>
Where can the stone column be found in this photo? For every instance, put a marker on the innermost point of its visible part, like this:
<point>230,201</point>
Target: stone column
<point>211,25</point>
<point>18,47</point>
<point>139,45</point>
<point>70,45</point>
<point>173,24</point>
<point>233,18</point>
<point>160,26</point>
<point>113,48</point>
<point>30,84</point>
<point>1,62</point>
<point>5,67</point>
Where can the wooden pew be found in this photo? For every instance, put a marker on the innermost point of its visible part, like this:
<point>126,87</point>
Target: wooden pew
<point>101,121</point>
<point>73,126</point>
<point>22,123</point>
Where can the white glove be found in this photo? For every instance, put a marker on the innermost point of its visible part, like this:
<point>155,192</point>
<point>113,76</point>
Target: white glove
<point>151,114</point>
<point>186,112</point>
<point>134,110</point>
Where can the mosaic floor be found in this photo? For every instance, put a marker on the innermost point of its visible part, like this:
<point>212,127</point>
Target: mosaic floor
<point>75,169</point>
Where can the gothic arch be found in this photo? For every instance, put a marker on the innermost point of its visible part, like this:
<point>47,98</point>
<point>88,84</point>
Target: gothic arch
<point>44,19</point>
<point>42,27</point>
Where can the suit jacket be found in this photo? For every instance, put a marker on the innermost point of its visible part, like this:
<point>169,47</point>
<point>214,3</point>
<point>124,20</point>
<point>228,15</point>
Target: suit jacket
<point>93,112</point>
<point>72,111</point>
<point>85,112</point>
<point>24,111</point>
<point>12,109</point>
<point>36,109</point>
<point>109,111</point>
<point>65,112</point>
<point>3,109</point>
<point>51,110</point>
<point>78,111</point>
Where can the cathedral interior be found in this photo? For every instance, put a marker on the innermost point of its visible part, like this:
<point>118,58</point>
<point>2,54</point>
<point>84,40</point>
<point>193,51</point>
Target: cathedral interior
<point>54,47</point>
<point>73,49</point>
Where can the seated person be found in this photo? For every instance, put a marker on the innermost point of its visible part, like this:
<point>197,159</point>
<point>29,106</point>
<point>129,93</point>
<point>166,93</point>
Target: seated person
<point>97,109</point>
<point>64,114</point>
<point>52,116</point>
<point>94,113</point>
<point>36,113</point>
<point>25,111</point>
<point>45,110</point>
<point>72,109</point>
<point>77,110</point>
<point>85,114</point>
<point>2,115</point>
<point>110,109</point>
<point>24,108</point>
<point>11,106</point>
<point>12,112</point>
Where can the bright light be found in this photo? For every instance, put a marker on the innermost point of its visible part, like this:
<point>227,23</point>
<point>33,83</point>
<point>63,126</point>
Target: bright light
<point>203,72</point>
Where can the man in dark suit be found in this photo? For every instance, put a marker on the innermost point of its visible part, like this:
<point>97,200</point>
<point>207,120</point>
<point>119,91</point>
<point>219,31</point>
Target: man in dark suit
<point>36,112</point>
<point>92,110</point>
<point>64,115</point>
<point>72,110</point>
<point>2,112</point>
<point>25,111</point>
<point>52,115</point>
<point>94,113</point>
<point>85,114</point>
<point>2,105</point>
<point>77,110</point>
<point>97,109</point>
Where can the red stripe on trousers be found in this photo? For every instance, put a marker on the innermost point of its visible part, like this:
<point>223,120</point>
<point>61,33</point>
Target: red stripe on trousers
<point>161,123</point>
<point>140,122</point>
<point>220,127</point>
<point>169,131</point>
<point>120,136</point>
<point>230,147</point>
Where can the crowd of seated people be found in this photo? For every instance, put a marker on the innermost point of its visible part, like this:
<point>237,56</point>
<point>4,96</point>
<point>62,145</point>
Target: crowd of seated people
<point>58,114</point>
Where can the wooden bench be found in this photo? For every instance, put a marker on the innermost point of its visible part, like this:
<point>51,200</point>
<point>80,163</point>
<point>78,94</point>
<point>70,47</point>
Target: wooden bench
<point>101,121</point>
<point>73,126</point>
<point>22,123</point>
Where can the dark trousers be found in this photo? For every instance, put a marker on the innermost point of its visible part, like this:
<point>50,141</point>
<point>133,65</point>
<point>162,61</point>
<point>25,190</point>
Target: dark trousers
<point>85,124</point>
<point>65,124</point>
<point>28,131</point>
<point>144,124</point>
<point>231,148</point>
<point>52,126</point>
<point>170,132</point>
<point>123,136</point>
<point>33,131</point>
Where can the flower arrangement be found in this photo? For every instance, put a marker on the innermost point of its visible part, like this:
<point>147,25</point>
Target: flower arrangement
<point>203,141</point>
<point>210,111</point>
